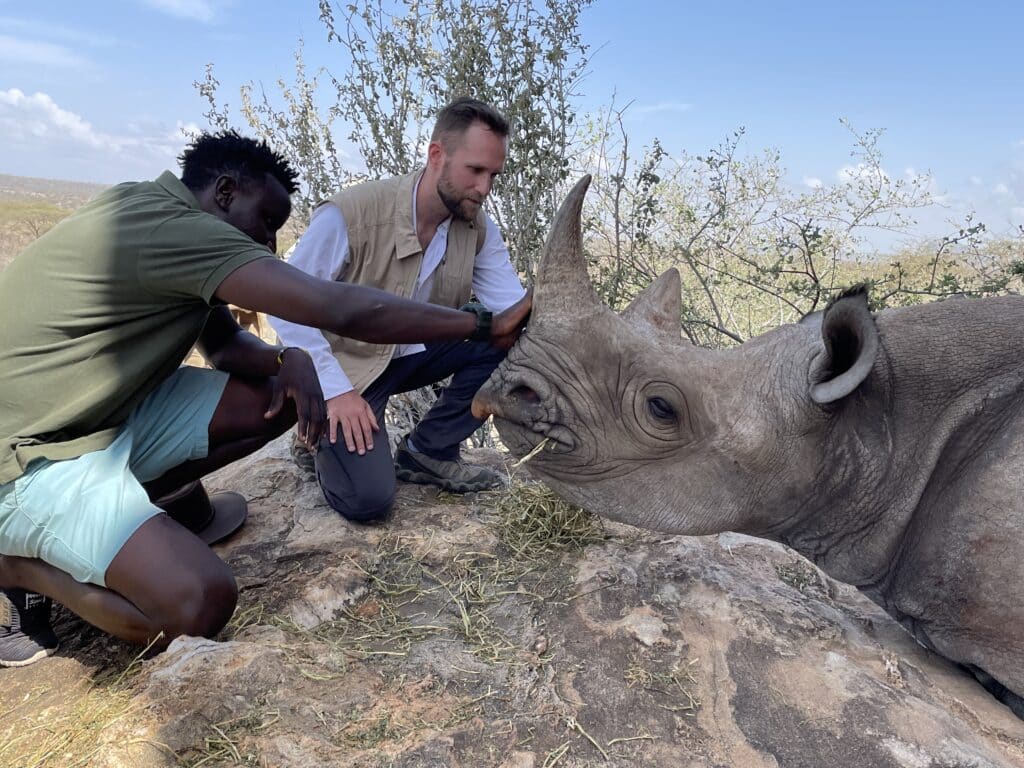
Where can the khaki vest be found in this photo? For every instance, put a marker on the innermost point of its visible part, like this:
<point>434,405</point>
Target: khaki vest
<point>385,253</point>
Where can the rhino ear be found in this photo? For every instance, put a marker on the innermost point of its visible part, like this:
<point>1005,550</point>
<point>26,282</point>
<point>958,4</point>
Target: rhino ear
<point>851,345</point>
<point>658,305</point>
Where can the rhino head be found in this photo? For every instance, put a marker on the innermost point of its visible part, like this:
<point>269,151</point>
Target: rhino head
<point>645,428</point>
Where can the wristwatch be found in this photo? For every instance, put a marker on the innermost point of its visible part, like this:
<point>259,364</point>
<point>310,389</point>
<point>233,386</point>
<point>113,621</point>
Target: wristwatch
<point>483,320</point>
<point>280,355</point>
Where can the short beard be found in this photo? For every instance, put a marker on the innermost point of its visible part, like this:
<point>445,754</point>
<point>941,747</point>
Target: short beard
<point>450,199</point>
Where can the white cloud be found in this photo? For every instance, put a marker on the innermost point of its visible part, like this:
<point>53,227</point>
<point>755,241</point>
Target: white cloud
<point>204,11</point>
<point>23,116</point>
<point>976,181</point>
<point>34,52</point>
<point>188,129</point>
<point>1001,190</point>
<point>43,139</point>
<point>661,107</point>
<point>861,171</point>
<point>813,182</point>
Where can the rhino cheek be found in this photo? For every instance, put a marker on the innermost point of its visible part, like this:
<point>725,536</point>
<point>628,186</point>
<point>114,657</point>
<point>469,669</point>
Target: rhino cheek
<point>670,496</point>
<point>623,500</point>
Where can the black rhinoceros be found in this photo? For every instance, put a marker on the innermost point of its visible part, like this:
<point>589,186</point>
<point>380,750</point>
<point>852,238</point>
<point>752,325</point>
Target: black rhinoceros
<point>887,449</point>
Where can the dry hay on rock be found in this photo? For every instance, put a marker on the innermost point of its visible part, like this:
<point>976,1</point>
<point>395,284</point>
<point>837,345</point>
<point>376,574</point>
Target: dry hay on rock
<point>533,522</point>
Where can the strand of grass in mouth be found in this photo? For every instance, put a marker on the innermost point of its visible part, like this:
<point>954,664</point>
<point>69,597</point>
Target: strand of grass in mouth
<point>537,449</point>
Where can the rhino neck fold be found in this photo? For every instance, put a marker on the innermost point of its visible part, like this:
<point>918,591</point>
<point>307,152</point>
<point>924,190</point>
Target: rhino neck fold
<point>924,422</point>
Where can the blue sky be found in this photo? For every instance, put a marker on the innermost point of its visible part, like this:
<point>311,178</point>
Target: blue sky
<point>100,91</point>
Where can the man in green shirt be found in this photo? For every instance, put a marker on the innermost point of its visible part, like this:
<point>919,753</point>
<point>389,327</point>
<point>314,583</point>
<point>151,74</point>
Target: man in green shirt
<point>97,417</point>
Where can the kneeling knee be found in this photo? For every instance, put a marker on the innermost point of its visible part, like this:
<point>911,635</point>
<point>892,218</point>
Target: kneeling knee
<point>202,608</point>
<point>362,507</point>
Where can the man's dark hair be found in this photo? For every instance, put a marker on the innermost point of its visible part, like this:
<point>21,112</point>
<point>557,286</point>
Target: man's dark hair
<point>454,120</point>
<point>214,154</point>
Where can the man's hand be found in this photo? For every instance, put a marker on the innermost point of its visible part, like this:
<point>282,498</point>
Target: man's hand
<point>297,380</point>
<point>506,326</point>
<point>356,419</point>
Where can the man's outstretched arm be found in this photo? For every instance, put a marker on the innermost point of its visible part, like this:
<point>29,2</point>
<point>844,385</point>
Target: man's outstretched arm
<point>355,311</point>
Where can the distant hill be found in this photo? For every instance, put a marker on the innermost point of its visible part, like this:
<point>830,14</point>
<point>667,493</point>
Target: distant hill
<point>29,207</point>
<point>63,194</point>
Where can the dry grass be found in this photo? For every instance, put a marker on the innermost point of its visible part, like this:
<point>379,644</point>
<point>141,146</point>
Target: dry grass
<point>533,522</point>
<point>62,736</point>
<point>672,682</point>
<point>68,735</point>
<point>225,744</point>
<point>83,720</point>
<point>416,594</point>
<point>411,601</point>
<point>22,221</point>
<point>460,599</point>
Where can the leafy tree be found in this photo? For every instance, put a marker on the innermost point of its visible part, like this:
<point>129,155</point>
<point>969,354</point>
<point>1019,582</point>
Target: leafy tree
<point>525,57</point>
<point>399,63</point>
<point>753,253</point>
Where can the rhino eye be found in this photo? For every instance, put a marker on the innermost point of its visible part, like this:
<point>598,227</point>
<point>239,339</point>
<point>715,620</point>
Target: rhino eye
<point>661,409</point>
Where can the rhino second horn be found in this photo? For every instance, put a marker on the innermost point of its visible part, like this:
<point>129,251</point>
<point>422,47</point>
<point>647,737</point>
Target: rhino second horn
<point>563,286</point>
<point>659,305</point>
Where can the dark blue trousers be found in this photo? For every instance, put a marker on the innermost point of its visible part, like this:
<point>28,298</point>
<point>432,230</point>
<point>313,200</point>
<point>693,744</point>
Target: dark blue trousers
<point>362,488</point>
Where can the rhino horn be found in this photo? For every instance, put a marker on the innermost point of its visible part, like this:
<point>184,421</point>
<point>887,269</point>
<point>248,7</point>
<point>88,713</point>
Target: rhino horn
<point>562,283</point>
<point>658,305</point>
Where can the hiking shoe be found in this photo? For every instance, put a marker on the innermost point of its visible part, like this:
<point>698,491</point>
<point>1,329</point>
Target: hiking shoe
<point>25,632</point>
<point>454,476</point>
<point>302,456</point>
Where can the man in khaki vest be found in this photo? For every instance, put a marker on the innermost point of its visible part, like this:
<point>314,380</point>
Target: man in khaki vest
<point>422,236</point>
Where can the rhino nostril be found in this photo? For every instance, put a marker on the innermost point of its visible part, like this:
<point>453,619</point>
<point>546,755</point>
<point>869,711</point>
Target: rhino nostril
<point>524,393</point>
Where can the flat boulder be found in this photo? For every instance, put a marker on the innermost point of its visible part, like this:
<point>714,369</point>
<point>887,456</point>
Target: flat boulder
<point>427,641</point>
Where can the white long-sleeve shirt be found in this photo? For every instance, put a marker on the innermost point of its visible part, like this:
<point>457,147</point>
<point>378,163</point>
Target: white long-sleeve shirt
<point>323,251</point>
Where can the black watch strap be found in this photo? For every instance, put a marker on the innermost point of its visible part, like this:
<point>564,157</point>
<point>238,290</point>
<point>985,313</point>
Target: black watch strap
<point>483,320</point>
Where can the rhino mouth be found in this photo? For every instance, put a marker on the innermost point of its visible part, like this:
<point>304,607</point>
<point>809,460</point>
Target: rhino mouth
<point>522,439</point>
<point>523,422</point>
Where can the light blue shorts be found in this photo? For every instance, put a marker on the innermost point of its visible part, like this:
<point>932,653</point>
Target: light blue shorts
<point>78,513</point>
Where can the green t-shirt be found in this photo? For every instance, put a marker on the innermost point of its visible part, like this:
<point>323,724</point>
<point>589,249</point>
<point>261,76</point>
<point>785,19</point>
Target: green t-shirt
<point>100,310</point>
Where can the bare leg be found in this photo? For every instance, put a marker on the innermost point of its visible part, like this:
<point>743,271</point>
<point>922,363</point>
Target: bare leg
<point>164,579</point>
<point>237,429</point>
<point>100,607</point>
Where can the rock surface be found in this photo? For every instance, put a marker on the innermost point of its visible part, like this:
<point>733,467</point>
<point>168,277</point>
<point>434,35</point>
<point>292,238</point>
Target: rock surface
<point>425,642</point>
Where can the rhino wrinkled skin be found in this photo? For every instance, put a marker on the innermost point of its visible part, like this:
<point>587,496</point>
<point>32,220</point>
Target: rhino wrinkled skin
<point>887,449</point>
